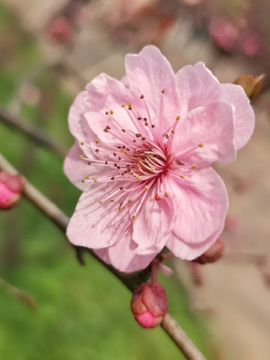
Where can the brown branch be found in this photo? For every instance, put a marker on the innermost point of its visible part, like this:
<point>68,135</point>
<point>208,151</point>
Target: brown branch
<point>33,132</point>
<point>131,281</point>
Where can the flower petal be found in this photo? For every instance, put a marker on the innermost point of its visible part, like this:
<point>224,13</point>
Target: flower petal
<point>201,204</point>
<point>197,87</point>
<point>244,115</point>
<point>152,225</point>
<point>211,127</point>
<point>96,225</point>
<point>148,73</point>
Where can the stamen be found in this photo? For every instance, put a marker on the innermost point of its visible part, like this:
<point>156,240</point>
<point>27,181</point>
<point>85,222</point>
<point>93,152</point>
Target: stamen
<point>95,179</point>
<point>166,194</point>
<point>182,176</point>
<point>201,145</point>
<point>194,166</point>
<point>111,112</point>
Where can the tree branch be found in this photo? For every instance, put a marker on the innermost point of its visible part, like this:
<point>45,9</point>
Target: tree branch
<point>131,281</point>
<point>33,132</point>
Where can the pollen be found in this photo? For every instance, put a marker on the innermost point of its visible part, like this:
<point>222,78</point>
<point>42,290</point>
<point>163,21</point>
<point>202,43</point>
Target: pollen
<point>123,130</point>
<point>200,145</point>
<point>133,217</point>
<point>95,179</point>
<point>169,154</point>
<point>152,170</point>
<point>120,208</point>
<point>111,200</point>
<point>97,141</point>
<point>146,187</point>
<point>138,177</point>
<point>129,200</point>
<point>163,91</point>
<point>82,181</point>
<point>182,176</point>
<point>123,105</point>
<point>167,136</point>
<point>173,131</point>
<point>81,142</point>
<point>177,117</point>
<point>111,112</point>
<point>131,171</point>
<point>86,177</point>
<point>129,105</point>
<point>194,166</point>
<point>142,96</point>
<point>89,163</point>
<point>81,156</point>
<point>122,151</point>
<point>100,201</point>
<point>166,194</point>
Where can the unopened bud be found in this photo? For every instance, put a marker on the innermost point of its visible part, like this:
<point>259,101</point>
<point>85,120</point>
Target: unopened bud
<point>149,304</point>
<point>11,187</point>
<point>213,254</point>
<point>252,85</point>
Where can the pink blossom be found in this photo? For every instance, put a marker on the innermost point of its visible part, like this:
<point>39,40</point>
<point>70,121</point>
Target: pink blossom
<point>142,157</point>
<point>10,190</point>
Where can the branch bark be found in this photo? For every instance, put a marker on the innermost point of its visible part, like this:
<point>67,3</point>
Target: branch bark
<point>33,132</point>
<point>131,281</point>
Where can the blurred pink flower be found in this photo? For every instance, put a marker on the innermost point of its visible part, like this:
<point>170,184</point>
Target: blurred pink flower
<point>223,33</point>
<point>11,187</point>
<point>142,157</point>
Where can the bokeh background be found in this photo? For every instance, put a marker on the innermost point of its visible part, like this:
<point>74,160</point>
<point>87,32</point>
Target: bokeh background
<point>51,307</point>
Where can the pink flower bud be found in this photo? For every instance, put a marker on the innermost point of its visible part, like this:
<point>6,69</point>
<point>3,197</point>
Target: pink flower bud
<point>213,254</point>
<point>11,187</point>
<point>149,304</point>
<point>60,30</point>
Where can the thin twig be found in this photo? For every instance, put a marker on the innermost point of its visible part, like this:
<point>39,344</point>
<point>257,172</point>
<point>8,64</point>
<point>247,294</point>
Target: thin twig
<point>131,281</point>
<point>33,132</point>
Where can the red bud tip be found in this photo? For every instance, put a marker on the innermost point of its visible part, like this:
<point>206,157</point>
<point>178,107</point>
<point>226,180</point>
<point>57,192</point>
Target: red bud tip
<point>213,254</point>
<point>11,187</point>
<point>149,304</point>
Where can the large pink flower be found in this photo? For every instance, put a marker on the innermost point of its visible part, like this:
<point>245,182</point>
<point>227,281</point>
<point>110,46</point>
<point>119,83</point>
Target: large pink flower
<point>142,157</point>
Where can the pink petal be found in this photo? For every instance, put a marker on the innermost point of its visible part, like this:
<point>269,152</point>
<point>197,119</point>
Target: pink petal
<point>153,223</point>
<point>96,225</point>
<point>212,126</point>
<point>244,115</point>
<point>148,73</point>
<point>197,87</point>
<point>201,204</point>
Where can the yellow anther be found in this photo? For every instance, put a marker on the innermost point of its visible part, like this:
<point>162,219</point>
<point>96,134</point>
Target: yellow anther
<point>131,171</point>
<point>200,145</point>
<point>163,91</point>
<point>111,112</point>
<point>152,170</point>
<point>81,156</point>
<point>86,176</point>
<point>100,201</point>
<point>97,141</point>
<point>146,187</point>
<point>194,166</point>
<point>95,179</point>
<point>173,131</point>
<point>111,200</point>
<point>138,177</point>
<point>120,209</point>
<point>81,142</point>
<point>89,163</point>
<point>151,156</point>
<point>122,151</point>
<point>129,105</point>
<point>166,194</point>
<point>177,117</point>
<point>169,154</point>
<point>182,176</point>
<point>121,203</point>
<point>129,200</point>
<point>167,136</point>
<point>123,105</point>
<point>133,217</point>
<point>82,181</point>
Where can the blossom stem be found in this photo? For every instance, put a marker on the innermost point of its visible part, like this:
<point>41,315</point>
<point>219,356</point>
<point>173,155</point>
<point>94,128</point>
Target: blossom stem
<point>33,132</point>
<point>154,270</point>
<point>131,281</point>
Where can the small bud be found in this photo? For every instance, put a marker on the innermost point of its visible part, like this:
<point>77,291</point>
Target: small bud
<point>213,254</point>
<point>11,187</point>
<point>250,84</point>
<point>149,304</point>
